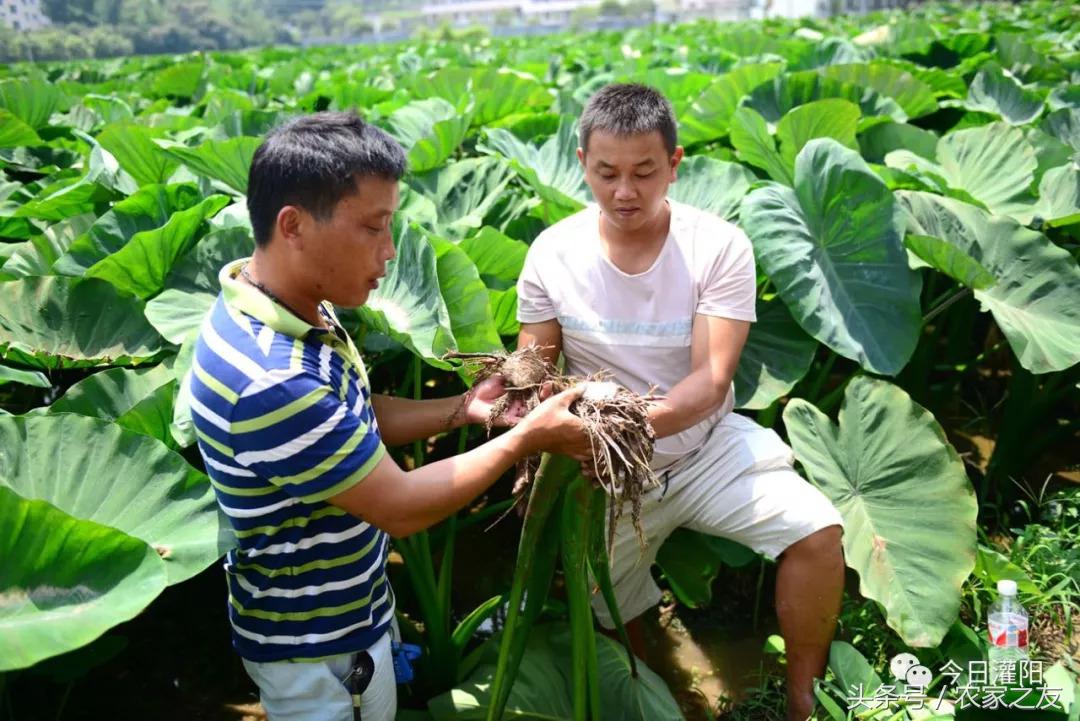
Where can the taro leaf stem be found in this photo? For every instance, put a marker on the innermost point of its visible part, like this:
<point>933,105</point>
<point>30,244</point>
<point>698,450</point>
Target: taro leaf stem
<point>576,525</point>
<point>599,564</point>
<point>537,553</point>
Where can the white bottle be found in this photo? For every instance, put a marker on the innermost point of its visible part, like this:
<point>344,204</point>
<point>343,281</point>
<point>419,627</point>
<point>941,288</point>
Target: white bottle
<point>1008,630</point>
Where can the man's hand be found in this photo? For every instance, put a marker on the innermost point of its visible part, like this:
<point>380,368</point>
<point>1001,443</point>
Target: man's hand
<point>480,399</point>
<point>552,428</point>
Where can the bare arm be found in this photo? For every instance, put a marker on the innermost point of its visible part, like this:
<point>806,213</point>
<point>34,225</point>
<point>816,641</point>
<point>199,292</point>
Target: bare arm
<point>715,346</point>
<point>547,335</point>
<point>402,503</point>
<point>403,420</point>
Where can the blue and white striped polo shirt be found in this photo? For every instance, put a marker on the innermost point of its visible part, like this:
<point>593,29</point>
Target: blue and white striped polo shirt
<point>283,415</point>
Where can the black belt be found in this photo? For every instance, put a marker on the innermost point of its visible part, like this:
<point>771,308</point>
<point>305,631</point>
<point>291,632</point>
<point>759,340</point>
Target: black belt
<point>359,679</point>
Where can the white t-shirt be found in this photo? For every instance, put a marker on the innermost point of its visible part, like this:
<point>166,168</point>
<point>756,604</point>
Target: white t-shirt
<point>639,326</point>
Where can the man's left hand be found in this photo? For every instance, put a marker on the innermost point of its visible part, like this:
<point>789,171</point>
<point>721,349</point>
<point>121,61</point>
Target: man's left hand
<point>482,397</point>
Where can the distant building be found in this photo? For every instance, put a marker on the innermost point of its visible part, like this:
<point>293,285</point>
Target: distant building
<point>861,6</point>
<point>554,12</point>
<point>469,12</point>
<point>823,8</point>
<point>22,14</point>
<point>503,12</point>
<point>508,15</point>
<point>686,10</point>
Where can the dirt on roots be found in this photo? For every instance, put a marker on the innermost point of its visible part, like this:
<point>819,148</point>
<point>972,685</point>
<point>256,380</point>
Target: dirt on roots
<point>616,421</point>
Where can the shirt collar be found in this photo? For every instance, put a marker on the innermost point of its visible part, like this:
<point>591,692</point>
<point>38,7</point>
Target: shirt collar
<point>252,301</point>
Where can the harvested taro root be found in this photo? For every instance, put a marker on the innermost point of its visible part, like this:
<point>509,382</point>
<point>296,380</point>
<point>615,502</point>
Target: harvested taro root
<point>616,421</point>
<point>524,372</point>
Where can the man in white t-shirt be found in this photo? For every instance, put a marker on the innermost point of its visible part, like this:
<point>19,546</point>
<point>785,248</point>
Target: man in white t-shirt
<point>663,294</point>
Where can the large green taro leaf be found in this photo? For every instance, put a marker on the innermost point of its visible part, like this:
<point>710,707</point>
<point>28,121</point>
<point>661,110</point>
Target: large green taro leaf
<point>431,130</point>
<point>56,322</point>
<point>542,689</point>
<point>498,258</point>
<point>192,285</point>
<point>679,85</point>
<point>1036,297</point>
<point>1063,96</point>
<point>138,399</point>
<point>65,581</point>
<point>182,428</point>
<point>14,133</point>
<point>945,83</point>
<point>879,140</point>
<point>463,192</point>
<point>713,185</point>
<point>914,96</point>
<point>832,247</point>
<point>830,118</point>
<point>133,147</point>
<point>993,164</point>
<point>1059,197</point>
<point>148,209</point>
<point>108,108</point>
<point>691,561</point>
<point>853,672</point>
<point>644,697</point>
<point>177,314</point>
<point>95,470</point>
<point>491,93</point>
<point>466,299</point>
<point>994,91</point>
<point>31,99</point>
<point>777,355</point>
<point>102,181</point>
<point>35,379</point>
<point>790,90</point>
<point>182,80</point>
<point>944,257</point>
<point>825,52</point>
<point>908,507</point>
<point>141,266</point>
<point>224,160</point>
<point>754,145</point>
<point>408,305</point>
<point>504,310</point>
<point>709,117</point>
<point>37,256</point>
<point>1064,124</point>
<point>552,169</point>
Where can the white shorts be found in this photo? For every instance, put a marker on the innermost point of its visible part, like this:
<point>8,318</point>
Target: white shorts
<point>315,690</point>
<point>740,485</point>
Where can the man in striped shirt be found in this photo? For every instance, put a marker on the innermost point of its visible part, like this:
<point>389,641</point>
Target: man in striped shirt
<point>293,439</point>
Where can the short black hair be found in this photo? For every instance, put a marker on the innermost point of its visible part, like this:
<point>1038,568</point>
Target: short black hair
<point>629,109</point>
<point>312,162</point>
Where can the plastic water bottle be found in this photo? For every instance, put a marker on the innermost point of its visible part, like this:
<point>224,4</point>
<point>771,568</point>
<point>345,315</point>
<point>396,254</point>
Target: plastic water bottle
<point>1008,627</point>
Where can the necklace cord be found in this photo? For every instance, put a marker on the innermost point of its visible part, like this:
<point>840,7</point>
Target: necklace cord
<point>272,296</point>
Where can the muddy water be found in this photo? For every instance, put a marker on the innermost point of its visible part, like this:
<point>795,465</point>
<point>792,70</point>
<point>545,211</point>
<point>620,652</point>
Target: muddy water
<point>703,664</point>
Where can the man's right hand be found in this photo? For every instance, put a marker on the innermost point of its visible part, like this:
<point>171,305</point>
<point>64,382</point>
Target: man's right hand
<point>552,428</point>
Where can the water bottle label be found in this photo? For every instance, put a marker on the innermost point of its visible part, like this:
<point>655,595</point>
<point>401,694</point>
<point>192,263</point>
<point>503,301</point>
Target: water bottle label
<point>1008,632</point>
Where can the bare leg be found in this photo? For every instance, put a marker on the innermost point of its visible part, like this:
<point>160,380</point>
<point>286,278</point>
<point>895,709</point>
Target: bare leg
<point>809,588</point>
